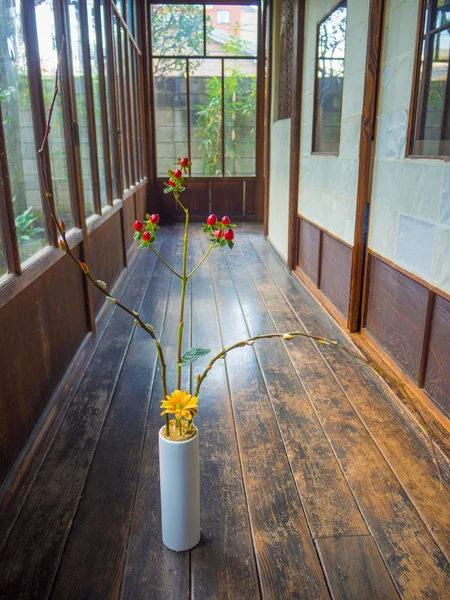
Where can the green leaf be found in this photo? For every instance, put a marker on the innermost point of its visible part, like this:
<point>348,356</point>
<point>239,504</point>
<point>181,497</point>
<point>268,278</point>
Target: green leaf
<point>230,244</point>
<point>223,243</point>
<point>231,225</point>
<point>206,228</point>
<point>167,190</point>
<point>181,188</point>
<point>192,355</point>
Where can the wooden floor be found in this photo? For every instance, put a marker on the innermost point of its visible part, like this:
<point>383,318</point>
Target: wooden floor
<point>315,483</point>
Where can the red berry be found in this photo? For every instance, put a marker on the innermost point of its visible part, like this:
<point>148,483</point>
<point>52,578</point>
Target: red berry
<point>178,173</point>
<point>228,235</point>
<point>225,220</point>
<point>146,237</point>
<point>154,219</point>
<point>218,234</point>
<point>184,162</point>
<point>138,226</point>
<point>172,183</point>
<point>212,220</point>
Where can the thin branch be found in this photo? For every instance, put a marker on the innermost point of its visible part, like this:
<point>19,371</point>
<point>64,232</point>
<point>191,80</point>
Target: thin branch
<point>213,245</point>
<point>64,245</point>
<point>164,262</point>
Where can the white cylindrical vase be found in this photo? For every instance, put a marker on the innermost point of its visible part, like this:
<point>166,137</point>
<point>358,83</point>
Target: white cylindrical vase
<point>179,471</point>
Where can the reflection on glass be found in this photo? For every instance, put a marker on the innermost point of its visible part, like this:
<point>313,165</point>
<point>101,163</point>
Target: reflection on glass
<point>177,30</point>
<point>170,113</point>
<point>205,90</point>
<point>432,127</point>
<point>49,58</point>
<point>18,130</point>
<point>80,96</point>
<point>231,30</point>
<point>120,100</point>
<point>97,104</point>
<point>330,81</point>
<point>108,108</point>
<point>240,117</point>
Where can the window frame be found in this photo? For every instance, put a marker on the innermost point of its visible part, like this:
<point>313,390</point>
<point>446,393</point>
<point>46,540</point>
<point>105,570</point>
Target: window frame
<point>205,56</point>
<point>415,98</point>
<point>315,93</point>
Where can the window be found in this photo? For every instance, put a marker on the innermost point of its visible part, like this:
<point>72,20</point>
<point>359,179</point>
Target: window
<point>431,95</point>
<point>19,137</point>
<point>223,17</point>
<point>329,81</point>
<point>205,88</point>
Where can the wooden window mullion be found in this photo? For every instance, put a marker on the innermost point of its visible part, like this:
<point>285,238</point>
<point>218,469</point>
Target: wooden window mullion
<point>113,112</point>
<point>7,221</point>
<point>103,102</point>
<point>188,108</point>
<point>92,133</point>
<point>129,112</point>
<point>123,124</point>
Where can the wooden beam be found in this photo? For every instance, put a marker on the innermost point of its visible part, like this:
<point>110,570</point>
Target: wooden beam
<point>260,110</point>
<point>268,10</point>
<point>296,110</point>
<point>426,339</point>
<point>367,135</point>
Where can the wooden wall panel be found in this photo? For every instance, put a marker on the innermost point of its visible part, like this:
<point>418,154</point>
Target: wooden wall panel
<point>437,380</point>
<point>141,202</point>
<point>227,198</point>
<point>250,198</point>
<point>309,250</point>
<point>396,313</point>
<point>129,217</point>
<point>196,198</point>
<point>106,245</point>
<point>336,271</point>
<point>40,331</point>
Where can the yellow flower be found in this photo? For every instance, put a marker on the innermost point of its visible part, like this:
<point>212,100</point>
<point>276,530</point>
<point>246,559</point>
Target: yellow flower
<point>180,404</point>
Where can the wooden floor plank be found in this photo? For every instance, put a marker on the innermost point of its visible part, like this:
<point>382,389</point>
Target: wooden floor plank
<point>416,563</point>
<point>151,570</point>
<point>355,569</point>
<point>223,564</point>
<point>317,472</point>
<point>30,557</point>
<point>93,560</point>
<point>397,435</point>
<point>287,561</point>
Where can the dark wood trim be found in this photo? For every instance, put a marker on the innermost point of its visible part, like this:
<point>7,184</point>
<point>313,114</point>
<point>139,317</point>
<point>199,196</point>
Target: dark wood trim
<point>260,109</point>
<point>213,178</point>
<point>315,93</point>
<point>367,131</point>
<point>426,339</point>
<point>7,221</point>
<point>412,276</point>
<point>338,239</point>
<point>268,116</point>
<point>219,2</point>
<point>296,118</point>
<point>113,109</point>
<point>103,102</point>
<point>319,259</point>
<point>90,112</point>
<point>38,108</point>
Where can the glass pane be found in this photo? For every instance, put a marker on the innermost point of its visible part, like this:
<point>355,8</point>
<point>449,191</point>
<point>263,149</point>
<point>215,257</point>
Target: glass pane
<point>49,58</point>
<point>231,30</point>
<point>205,87</point>
<point>133,99</point>
<point>240,117</point>
<point>432,135</point>
<point>177,30</point>
<point>127,103</point>
<point>80,96</point>
<point>114,173</point>
<point>330,81</point>
<point>442,13</point>
<point>170,112</point>
<point>18,129</point>
<point>97,104</point>
<point>121,104</point>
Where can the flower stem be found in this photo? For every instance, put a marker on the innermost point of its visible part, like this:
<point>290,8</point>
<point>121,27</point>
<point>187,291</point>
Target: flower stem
<point>164,262</point>
<point>183,291</point>
<point>203,259</point>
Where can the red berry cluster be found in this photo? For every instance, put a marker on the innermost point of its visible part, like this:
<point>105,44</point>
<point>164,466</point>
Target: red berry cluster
<point>220,232</point>
<point>176,179</point>
<point>144,232</point>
